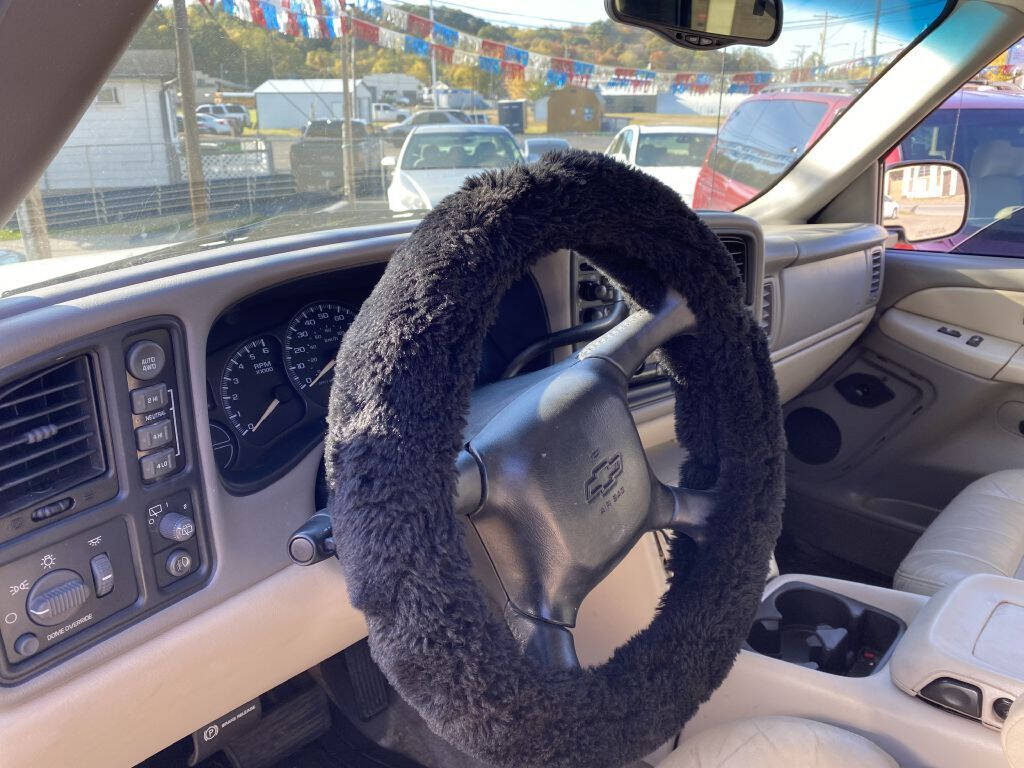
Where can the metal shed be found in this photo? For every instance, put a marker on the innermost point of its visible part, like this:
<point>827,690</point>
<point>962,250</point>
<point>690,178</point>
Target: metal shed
<point>284,104</point>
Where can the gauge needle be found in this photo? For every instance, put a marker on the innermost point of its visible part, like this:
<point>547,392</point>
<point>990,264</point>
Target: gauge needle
<point>323,372</point>
<point>266,414</point>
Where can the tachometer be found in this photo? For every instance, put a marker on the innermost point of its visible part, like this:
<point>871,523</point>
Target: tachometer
<point>311,345</point>
<point>255,394</point>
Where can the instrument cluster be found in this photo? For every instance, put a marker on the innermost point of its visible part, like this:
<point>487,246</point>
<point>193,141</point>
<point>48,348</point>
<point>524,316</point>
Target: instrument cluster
<point>270,363</point>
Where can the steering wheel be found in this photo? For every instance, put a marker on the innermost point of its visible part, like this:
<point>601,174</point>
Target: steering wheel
<point>544,478</point>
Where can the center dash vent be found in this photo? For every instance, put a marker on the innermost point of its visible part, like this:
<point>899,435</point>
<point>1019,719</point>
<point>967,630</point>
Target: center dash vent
<point>739,249</point>
<point>49,434</point>
<point>875,281</point>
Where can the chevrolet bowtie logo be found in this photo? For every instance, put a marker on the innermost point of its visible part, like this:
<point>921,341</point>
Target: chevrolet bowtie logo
<point>604,477</point>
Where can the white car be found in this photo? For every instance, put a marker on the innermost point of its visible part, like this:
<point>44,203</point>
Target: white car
<point>672,154</point>
<point>436,159</point>
<point>890,208</point>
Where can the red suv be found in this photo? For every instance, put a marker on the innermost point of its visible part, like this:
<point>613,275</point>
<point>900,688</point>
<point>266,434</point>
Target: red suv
<point>761,139</point>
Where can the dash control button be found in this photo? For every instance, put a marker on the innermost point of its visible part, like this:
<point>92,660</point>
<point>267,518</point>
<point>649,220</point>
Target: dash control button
<point>158,464</point>
<point>149,399</point>
<point>179,563</point>
<point>156,435</point>
<point>145,360</point>
<point>102,574</point>
<point>26,644</point>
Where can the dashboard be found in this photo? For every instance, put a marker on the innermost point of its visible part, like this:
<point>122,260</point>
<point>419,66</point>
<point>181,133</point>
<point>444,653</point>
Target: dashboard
<point>270,360</point>
<point>219,432</point>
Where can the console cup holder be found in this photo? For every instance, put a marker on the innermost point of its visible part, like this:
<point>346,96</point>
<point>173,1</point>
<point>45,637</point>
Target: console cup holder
<point>823,630</point>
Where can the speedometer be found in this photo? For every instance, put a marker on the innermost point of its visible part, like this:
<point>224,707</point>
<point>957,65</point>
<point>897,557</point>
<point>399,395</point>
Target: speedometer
<point>311,346</point>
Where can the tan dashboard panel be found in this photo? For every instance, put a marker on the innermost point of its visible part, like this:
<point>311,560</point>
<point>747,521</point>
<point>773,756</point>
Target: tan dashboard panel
<point>121,712</point>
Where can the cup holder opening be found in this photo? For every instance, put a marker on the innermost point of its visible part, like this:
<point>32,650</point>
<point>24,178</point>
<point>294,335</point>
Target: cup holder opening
<point>822,630</point>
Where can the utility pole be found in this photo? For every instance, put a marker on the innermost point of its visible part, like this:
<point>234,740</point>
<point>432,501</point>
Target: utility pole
<point>347,169</point>
<point>32,224</point>
<point>874,38</point>
<point>822,41</point>
<point>433,59</point>
<point>187,86</point>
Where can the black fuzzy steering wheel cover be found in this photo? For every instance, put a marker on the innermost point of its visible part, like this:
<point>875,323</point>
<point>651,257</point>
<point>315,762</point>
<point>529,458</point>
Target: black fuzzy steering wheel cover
<point>398,406</point>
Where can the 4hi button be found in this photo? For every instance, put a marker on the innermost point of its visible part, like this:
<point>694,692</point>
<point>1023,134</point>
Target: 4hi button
<point>145,360</point>
<point>179,563</point>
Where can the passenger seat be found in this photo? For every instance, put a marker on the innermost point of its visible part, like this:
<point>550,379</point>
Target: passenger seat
<point>980,531</point>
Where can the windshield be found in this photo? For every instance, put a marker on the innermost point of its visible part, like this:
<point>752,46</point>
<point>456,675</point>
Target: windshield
<point>431,151</point>
<point>672,149</point>
<point>281,86</point>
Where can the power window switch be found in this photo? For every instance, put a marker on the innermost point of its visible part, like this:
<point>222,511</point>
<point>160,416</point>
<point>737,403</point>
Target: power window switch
<point>975,341</point>
<point>155,435</point>
<point>102,574</point>
<point>953,332</point>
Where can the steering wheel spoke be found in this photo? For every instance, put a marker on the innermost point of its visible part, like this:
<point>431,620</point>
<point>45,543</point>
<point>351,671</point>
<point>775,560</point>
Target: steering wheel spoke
<point>629,343</point>
<point>682,510</point>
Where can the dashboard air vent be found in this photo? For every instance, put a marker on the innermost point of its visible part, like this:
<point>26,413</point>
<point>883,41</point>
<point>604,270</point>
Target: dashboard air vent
<point>49,434</point>
<point>875,283</point>
<point>768,307</point>
<point>739,250</point>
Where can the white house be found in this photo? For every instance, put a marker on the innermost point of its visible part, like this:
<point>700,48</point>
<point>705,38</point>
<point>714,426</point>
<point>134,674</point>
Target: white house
<point>283,104</point>
<point>126,136</point>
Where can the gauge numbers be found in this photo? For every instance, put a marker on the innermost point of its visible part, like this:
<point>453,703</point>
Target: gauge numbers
<point>311,346</point>
<point>255,393</point>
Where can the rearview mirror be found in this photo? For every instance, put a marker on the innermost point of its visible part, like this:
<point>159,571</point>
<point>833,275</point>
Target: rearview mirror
<point>924,201</point>
<point>703,24</point>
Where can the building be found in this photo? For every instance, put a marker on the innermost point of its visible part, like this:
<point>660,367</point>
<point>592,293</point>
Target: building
<point>126,136</point>
<point>393,87</point>
<point>290,104</point>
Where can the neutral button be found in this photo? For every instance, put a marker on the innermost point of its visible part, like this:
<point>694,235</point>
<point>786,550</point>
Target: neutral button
<point>26,644</point>
<point>179,563</point>
<point>145,360</point>
<point>149,399</point>
<point>155,435</point>
<point>102,574</point>
<point>157,465</point>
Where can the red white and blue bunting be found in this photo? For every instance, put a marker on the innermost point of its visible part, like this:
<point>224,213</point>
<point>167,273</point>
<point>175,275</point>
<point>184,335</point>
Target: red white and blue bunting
<point>405,32</point>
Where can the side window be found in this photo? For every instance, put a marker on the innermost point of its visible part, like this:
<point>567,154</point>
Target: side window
<point>421,119</point>
<point>437,118</point>
<point>616,146</point>
<point>981,128</point>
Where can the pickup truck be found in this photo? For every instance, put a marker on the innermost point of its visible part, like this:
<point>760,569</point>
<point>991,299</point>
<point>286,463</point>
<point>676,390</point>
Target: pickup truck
<point>316,158</point>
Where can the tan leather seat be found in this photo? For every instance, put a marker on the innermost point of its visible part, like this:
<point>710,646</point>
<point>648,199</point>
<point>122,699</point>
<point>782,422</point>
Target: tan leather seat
<point>777,742</point>
<point>980,531</point>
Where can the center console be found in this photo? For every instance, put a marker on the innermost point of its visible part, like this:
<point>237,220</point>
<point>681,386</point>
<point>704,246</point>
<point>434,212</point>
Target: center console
<point>924,678</point>
<point>964,652</point>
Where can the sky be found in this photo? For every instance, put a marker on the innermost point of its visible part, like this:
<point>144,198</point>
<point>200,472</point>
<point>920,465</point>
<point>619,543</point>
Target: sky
<point>847,36</point>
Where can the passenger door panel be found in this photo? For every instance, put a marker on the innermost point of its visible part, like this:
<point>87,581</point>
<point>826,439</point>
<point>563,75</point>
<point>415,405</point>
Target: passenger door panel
<point>936,401</point>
